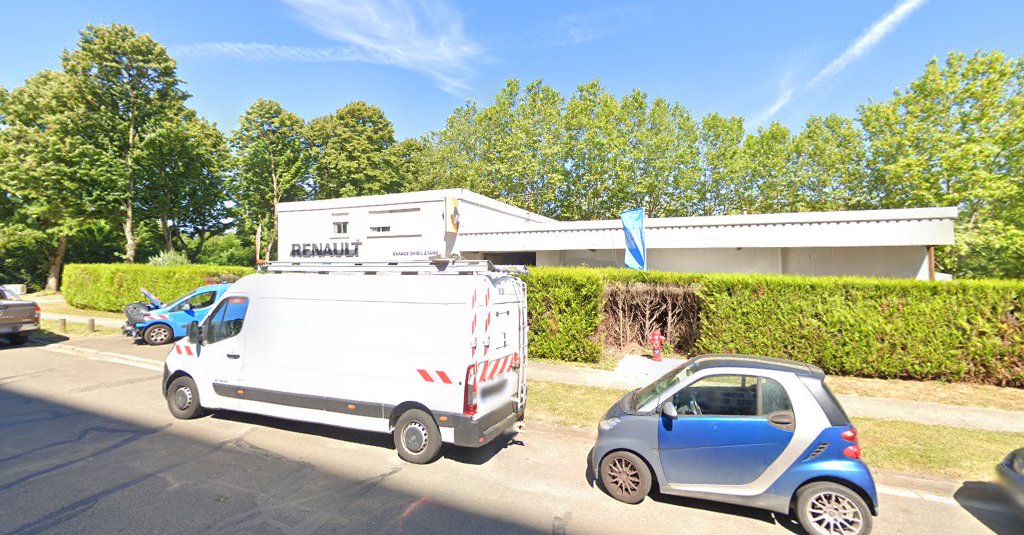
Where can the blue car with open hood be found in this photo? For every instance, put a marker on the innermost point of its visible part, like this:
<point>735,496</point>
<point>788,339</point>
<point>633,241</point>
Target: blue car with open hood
<point>156,323</point>
<point>748,430</point>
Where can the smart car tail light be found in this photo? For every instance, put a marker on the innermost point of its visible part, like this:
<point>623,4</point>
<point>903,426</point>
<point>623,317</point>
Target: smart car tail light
<point>850,435</point>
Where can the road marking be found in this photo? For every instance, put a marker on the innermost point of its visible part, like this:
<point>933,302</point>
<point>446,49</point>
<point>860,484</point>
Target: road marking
<point>104,356</point>
<point>945,500</point>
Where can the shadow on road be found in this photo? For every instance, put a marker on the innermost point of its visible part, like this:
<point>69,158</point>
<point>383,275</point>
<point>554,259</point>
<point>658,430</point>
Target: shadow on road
<point>767,517</point>
<point>988,503</point>
<point>38,338</point>
<point>63,469</point>
<point>474,456</point>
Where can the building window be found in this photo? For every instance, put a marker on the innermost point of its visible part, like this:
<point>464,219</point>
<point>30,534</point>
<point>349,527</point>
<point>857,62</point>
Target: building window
<point>380,229</point>
<point>341,227</point>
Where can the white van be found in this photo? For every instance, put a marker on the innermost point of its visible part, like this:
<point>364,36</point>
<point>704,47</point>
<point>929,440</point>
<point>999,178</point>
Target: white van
<point>430,357</point>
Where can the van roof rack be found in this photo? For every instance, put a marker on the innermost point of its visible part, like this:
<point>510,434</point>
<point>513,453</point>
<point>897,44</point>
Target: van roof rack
<point>406,267</point>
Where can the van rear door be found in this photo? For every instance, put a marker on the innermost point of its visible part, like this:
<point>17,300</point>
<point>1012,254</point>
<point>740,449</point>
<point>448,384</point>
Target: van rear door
<point>502,376</point>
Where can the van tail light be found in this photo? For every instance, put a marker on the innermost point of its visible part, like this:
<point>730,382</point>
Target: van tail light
<point>850,435</point>
<point>37,314</point>
<point>469,401</point>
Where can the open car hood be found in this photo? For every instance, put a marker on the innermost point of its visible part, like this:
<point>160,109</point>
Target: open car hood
<point>152,299</point>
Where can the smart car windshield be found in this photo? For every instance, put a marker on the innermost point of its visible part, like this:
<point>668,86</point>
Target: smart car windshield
<point>654,390</point>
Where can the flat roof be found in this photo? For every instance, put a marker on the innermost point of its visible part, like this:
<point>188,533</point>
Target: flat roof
<point>852,228</point>
<point>392,199</point>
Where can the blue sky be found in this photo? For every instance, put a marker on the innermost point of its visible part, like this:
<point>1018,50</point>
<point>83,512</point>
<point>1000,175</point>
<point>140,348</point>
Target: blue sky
<point>418,60</point>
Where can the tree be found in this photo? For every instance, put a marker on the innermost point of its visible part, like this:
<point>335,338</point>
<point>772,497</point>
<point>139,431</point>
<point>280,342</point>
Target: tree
<point>127,84</point>
<point>723,166</point>
<point>271,167</point>
<point>953,138</point>
<point>769,184</point>
<point>349,153</point>
<point>184,163</point>
<point>829,166</point>
<point>55,184</point>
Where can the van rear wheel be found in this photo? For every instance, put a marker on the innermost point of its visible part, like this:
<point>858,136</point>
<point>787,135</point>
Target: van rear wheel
<point>417,437</point>
<point>183,398</point>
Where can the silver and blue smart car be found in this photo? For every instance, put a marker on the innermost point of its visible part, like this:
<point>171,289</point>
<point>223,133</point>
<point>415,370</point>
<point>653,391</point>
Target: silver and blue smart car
<point>749,430</point>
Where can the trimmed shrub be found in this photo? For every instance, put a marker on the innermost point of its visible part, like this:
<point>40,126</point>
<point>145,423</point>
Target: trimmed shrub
<point>953,331</point>
<point>112,286</point>
<point>565,311</point>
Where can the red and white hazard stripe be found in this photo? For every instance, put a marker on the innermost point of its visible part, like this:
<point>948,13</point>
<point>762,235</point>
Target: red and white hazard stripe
<point>183,349</point>
<point>491,369</point>
<point>155,317</point>
<point>429,376</point>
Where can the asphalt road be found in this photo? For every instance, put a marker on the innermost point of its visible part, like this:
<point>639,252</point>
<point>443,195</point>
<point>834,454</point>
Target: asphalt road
<point>87,446</point>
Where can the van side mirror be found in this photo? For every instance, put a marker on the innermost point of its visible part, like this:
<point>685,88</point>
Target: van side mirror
<point>668,410</point>
<point>195,336</point>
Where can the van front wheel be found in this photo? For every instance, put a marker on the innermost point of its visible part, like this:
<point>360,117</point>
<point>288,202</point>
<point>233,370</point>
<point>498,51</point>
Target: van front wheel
<point>417,438</point>
<point>183,398</point>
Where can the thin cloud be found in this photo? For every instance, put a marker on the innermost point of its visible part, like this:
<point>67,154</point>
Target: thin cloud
<point>770,111</point>
<point>868,39</point>
<point>576,28</point>
<point>265,52</point>
<point>420,36</point>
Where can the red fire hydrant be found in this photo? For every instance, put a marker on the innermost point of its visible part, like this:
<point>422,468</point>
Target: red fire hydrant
<point>657,340</point>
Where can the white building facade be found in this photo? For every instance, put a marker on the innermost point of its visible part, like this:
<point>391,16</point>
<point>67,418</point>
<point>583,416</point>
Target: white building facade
<point>422,225</point>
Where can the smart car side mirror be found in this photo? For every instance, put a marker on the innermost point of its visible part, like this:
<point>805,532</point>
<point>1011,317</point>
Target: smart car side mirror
<point>186,307</point>
<point>195,336</point>
<point>668,410</point>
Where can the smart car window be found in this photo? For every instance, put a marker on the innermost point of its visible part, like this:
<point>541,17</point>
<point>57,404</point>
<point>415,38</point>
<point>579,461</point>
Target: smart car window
<point>653,391</point>
<point>227,320</point>
<point>774,397</point>
<point>719,395</point>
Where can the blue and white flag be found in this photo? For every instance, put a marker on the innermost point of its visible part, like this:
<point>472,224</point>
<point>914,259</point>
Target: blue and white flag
<point>636,247</point>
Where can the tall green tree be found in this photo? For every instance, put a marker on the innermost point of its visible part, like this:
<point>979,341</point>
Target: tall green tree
<point>723,166</point>
<point>272,166</point>
<point>127,84</point>
<point>953,138</point>
<point>54,183</point>
<point>348,151</point>
<point>768,185</point>
<point>829,166</point>
<point>184,163</point>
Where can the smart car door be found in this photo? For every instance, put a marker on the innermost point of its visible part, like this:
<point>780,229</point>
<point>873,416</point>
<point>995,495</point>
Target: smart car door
<point>728,430</point>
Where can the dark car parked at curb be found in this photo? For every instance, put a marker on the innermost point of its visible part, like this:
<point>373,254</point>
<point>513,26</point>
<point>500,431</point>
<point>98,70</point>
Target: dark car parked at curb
<point>18,319</point>
<point>748,430</point>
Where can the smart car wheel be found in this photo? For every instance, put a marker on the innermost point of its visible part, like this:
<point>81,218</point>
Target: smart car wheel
<point>183,399</point>
<point>831,509</point>
<point>417,437</point>
<point>158,334</point>
<point>625,476</point>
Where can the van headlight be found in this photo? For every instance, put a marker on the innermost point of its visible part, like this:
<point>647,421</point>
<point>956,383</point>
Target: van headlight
<point>608,423</point>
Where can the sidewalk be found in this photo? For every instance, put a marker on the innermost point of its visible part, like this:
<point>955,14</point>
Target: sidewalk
<point>635,371</point>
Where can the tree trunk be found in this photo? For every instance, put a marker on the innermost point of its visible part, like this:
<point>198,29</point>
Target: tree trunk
<point>129,235</point>
<point>168,239</point>
<point>56,265</point>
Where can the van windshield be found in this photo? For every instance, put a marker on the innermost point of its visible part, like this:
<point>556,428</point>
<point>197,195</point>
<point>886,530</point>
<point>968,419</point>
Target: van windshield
<point>654,390</point>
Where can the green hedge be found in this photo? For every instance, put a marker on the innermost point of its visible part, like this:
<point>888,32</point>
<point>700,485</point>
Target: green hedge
<point>112,286</point>
<point>955,331</point>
